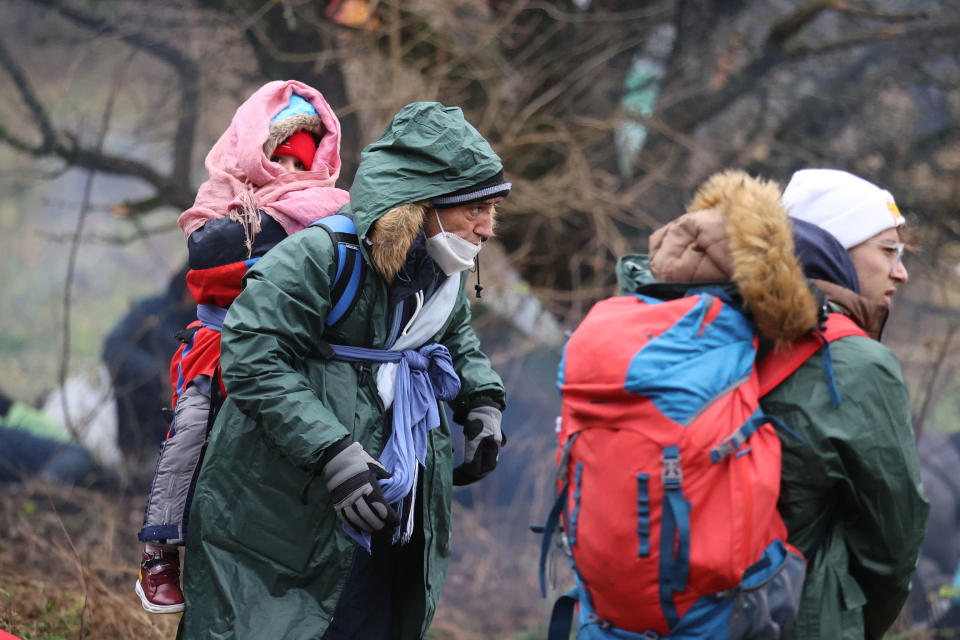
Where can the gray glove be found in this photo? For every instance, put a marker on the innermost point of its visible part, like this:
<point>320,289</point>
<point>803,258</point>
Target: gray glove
<point>481,450</point>
<point>351,476</point>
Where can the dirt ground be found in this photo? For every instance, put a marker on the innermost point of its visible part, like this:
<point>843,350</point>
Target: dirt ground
<point>68,563</point>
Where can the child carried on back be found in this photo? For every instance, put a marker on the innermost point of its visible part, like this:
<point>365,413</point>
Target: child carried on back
<point>271,174</point>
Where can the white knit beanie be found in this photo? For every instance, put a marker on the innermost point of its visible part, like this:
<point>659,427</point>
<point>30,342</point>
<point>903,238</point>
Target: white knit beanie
<point>848,207</point>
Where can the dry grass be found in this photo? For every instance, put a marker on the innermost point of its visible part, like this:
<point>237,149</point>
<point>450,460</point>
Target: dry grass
<point>492,589</point>
<point>68,562</point>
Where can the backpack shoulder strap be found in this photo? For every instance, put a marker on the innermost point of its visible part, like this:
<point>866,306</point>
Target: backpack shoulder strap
<point>350,272</point>
<point>775,367</point>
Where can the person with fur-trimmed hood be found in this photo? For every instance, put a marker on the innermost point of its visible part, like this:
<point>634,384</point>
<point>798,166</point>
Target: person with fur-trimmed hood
<point>850,492</point>
<point>324,507</point>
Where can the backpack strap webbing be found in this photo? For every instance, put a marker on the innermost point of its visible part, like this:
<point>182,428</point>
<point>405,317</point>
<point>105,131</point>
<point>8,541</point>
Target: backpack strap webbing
<point>775,367</point>
<point>350,272</point>
<point>561,617</point>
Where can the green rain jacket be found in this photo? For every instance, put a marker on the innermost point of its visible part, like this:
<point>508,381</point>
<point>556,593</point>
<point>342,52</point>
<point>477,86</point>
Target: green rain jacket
<point>850,493</point>
<point>260,563</point>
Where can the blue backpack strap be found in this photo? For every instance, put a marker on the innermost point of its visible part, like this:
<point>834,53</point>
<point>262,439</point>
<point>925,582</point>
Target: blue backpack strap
<point>674,565</point>
<point>732,443</point>
<point>350,272</point>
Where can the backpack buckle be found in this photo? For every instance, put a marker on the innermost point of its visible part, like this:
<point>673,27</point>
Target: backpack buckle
<point>672,473</point>
<point>726,448</point>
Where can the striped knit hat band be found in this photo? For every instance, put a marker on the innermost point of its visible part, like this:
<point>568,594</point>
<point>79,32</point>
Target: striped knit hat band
<point>492,187</point>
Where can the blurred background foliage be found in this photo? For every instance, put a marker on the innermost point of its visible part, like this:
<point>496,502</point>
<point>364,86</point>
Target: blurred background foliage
<point>607,114</point>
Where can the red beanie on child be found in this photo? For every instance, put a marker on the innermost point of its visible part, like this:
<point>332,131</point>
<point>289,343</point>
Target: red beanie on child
<point>301,146</point>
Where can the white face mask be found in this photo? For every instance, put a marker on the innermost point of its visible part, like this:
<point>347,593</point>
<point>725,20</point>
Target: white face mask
<point>452,253</point>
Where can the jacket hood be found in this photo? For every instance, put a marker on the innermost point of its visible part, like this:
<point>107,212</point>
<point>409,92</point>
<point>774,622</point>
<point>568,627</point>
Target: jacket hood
<point>738,230</point>
<point>822,256</point>
<point>869,315</point>
<point>829,267</point>
<point>428,150</point>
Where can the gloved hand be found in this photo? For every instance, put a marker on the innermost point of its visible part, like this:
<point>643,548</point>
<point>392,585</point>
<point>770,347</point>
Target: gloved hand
<point>351,476</point>
<point>483,439</point>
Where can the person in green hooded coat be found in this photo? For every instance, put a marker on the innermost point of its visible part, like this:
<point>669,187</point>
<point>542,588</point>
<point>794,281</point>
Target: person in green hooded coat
<point>322,509</point>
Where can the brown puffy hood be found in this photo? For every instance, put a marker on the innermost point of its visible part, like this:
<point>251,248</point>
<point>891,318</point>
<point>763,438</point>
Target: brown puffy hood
<point>737,230</point>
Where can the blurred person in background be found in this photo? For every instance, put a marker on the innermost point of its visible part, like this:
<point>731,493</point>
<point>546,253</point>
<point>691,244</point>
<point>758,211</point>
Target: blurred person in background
<point>934,601</point>
<point>136,353</point>
<point>33,445</point>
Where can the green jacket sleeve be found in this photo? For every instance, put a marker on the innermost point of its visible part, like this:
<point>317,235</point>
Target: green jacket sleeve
<point>887,510</point>
<point>477,377</point>
<point>268,332</point>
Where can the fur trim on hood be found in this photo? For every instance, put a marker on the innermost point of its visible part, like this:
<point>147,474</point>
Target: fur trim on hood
<point>392,236</point>
<point>738,230</point>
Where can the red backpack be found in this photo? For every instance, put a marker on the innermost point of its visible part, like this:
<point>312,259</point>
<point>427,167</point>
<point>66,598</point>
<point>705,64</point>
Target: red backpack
<point>669,472</point>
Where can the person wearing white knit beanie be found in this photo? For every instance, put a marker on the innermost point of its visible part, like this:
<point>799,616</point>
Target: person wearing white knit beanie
<point>863,217</point>
<point>851,493</point>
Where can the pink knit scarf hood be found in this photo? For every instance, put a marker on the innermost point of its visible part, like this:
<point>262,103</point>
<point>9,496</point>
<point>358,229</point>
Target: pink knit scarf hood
<point>243,179</point>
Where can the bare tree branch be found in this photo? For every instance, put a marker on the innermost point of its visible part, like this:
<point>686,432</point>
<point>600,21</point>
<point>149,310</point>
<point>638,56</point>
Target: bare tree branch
<point>898,32</point>
<point>659,11</point>
<point>584,72</point>
<point>793,24</point>
<point>174,188</point>
<point>184,66</point>
<point>705,102</point>
<point>16,73</point>
<point>841,6</point>
<point>116,239</point>
<point>69,149</point>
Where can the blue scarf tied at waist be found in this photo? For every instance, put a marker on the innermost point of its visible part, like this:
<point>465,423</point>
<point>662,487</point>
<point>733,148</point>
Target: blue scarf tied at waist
<point>424,376</point>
